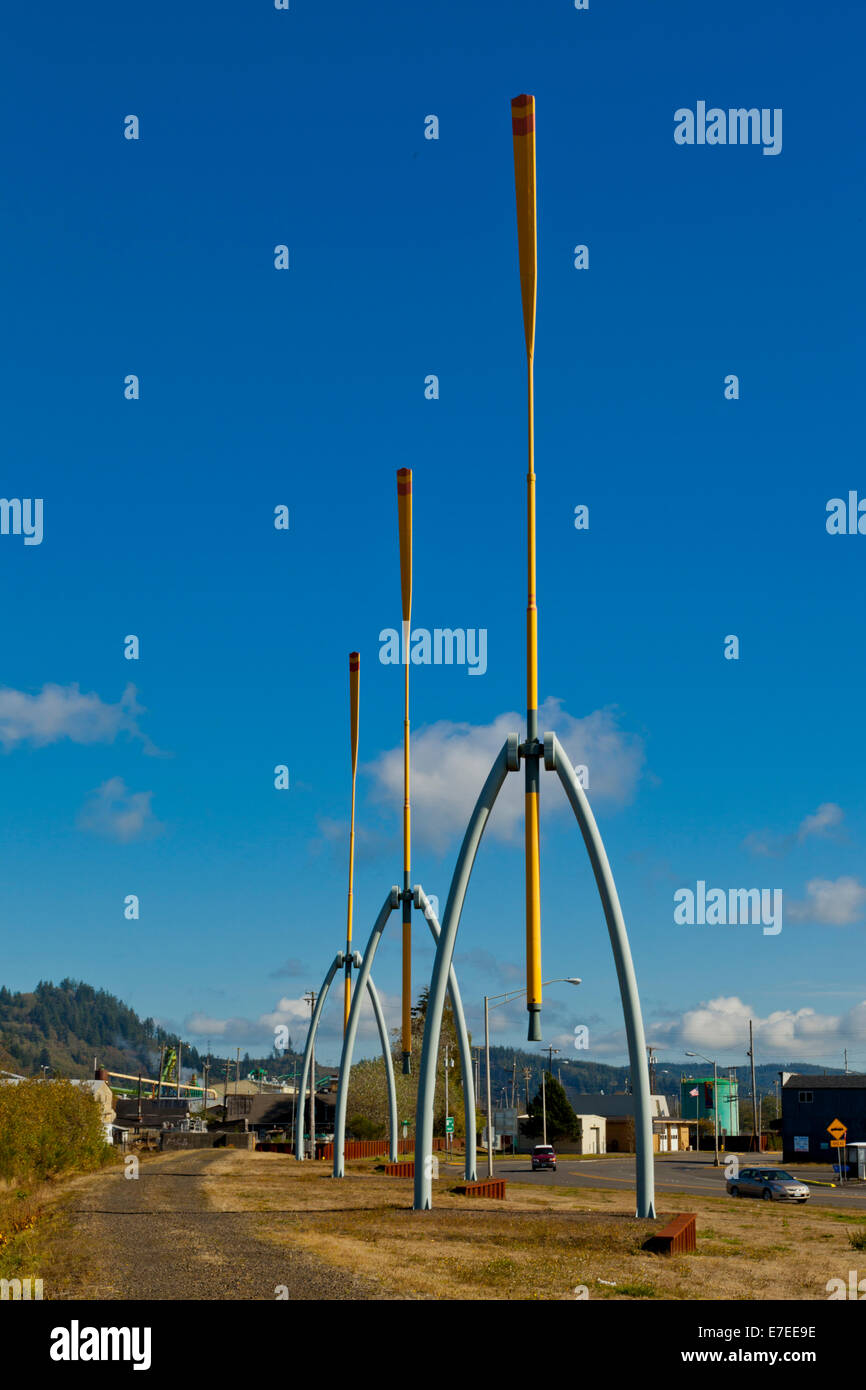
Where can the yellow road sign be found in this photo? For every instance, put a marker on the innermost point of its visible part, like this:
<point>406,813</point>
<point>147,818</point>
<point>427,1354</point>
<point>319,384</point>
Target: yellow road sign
<point>837,1143</point>
<point>837,1129</point>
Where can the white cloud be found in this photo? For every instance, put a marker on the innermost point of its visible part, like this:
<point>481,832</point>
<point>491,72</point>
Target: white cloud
<point>287,1011</point>
<point>827,817</point>
<point>832,902</point>
<point>203,1026</point>
<point>450,763</point>
<point>721,1026</point>
<point>59,712</point>
<point>294,1014</point>
<point>820,823</point>
<point>119,814</point>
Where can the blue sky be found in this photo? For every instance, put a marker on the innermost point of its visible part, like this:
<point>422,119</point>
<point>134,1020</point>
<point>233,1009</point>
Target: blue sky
<point>305,387</point>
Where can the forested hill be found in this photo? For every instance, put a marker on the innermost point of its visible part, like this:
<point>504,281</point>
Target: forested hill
<point>580,1076</point>
<point>65,1026</point>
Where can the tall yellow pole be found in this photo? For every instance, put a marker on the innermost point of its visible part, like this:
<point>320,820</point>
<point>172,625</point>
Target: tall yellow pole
<point>523,135</point>
<point>404,516</point>
<point>354,693</point>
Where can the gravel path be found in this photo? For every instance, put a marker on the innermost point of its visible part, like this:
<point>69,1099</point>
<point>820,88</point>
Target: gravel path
<point>157,1237</point>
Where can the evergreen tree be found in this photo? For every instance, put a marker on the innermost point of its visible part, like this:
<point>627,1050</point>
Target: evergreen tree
<point>561,1120</point>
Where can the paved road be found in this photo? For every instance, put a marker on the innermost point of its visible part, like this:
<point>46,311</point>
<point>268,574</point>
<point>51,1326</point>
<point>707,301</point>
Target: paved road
<point>157,1237</point>
<point>688,1173</point>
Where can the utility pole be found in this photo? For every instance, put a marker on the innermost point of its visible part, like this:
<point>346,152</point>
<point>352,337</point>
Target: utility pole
<point>550,1049</point>
<point>715,1114</point>
<point>310,996</point>
<point>139,1100</point>
<point>447,1060</point>
<point>179,1055</point>
<point>489,1108</point>
<point>651,1055</point>
<point>755,1132</point>
<point>514,1080</point>
<point>527,1076</point>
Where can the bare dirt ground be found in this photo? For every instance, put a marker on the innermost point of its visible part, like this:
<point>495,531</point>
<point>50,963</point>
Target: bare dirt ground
<point>233,1225</point>
<point>160,1236</point>
<point>542,1242</point>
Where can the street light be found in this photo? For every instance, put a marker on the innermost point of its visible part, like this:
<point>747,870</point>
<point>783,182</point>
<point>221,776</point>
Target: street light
<point>503,999</point>
<point>715,1103</point>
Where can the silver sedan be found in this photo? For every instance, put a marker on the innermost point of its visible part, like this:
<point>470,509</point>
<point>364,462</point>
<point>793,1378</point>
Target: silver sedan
<point>773,1184</point>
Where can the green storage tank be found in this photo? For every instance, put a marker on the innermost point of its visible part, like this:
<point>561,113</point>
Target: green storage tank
<point>700,1106</point>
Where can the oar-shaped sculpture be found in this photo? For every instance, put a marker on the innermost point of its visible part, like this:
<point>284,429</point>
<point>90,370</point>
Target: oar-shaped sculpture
<point>407,898</point>
<point>404,516</point>
<point>523,135</point>
<point>354,691</point>
<point>555,760</point>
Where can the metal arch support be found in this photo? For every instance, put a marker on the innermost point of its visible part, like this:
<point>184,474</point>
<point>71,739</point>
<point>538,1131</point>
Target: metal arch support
<point>336,963</point>
<point>391,902</point>
<point>389,1065</point>
<point>507,761</point>
<point>422,902</point>
<point>557,760</point>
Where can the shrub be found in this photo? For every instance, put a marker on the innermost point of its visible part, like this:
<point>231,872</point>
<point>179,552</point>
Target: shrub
<point>48,1128</point>
<point>364,1128</point>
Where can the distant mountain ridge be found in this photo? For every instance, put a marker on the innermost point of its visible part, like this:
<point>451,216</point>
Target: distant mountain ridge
<point>65,1026</point>
<point>581,1077</point>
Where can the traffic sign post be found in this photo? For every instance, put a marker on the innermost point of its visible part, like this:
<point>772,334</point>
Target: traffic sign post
<point>449,1124</point>
<point>838,1139</point>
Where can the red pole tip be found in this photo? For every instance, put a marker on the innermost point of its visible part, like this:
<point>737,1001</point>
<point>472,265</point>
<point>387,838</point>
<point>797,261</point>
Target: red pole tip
<point>354,661</point>
<point>523,115</point>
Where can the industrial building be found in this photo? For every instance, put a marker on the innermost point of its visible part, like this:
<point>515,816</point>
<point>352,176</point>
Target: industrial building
<point>670,1135</point>
<point>810,1104</point>
<point>697,1102</point>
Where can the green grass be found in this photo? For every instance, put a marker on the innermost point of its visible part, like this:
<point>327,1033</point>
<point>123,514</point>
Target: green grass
<point>628,1291</point>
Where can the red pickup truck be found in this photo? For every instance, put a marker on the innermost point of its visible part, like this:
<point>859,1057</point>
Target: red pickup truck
<point>543,1156</point>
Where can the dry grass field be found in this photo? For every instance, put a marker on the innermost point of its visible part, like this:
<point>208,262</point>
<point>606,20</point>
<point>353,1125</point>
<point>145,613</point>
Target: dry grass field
<point>541,1243</point>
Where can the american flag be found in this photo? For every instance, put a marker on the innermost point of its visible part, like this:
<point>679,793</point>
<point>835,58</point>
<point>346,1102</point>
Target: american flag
<point>695,1092</point>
